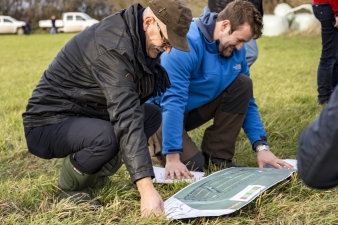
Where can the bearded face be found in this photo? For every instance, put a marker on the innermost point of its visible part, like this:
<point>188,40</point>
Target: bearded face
<point>225,47</point>
<point>228,41</point>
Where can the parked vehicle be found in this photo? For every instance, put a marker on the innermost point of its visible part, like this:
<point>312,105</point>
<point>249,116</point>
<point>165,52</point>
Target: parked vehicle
<point>9,25</point>
<point>71,22</point>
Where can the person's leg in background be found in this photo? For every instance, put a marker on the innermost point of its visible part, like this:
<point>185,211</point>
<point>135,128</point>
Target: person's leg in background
<point>335,68</point>
<point>327,69</point>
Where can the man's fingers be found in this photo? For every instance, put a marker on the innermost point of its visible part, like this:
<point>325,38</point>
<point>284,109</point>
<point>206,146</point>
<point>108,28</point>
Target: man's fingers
<point>178,174</point>
<point>276,165</point>
<point>283,163</point>
<point>172,175</point>
<point>166,174</point>
<point>159,211</point>
<point>190,174</point>
<point>187,174</point>
<point>260,164</point>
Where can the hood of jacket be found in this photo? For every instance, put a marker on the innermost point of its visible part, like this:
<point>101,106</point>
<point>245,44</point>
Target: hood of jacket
<point>206,23</point>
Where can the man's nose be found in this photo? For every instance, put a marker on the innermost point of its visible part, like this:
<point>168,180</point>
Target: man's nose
<point>167,49</point>
<point>239,46</point>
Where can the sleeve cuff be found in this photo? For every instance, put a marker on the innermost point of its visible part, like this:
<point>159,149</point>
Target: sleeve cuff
<point>138,176</point>
<point>263,141</point>
<point>171,151</point>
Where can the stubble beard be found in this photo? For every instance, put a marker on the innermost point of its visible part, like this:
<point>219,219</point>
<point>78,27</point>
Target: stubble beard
<point>225,50</point>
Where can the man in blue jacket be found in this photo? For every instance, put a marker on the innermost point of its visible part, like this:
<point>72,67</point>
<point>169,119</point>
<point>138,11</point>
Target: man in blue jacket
<point>211,81</point>
<point>251,47</point>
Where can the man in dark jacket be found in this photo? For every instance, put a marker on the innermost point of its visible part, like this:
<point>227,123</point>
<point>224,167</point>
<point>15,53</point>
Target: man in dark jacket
<point>317,155</point>
<point>88,106</point>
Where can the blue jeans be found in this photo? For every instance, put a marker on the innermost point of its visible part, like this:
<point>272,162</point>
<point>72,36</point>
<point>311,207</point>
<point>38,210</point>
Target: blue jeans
<point>327,74</point>
<point>251,52</point>
<point>52,30</point>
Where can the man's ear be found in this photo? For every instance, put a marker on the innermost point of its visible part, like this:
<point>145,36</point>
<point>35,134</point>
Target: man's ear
<point>147,21</point>
<point>225,25</point>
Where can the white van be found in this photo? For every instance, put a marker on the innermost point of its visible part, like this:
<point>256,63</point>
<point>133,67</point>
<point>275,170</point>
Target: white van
<point>71,22</point>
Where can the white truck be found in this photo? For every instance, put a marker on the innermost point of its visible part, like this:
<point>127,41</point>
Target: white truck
<point>9,25</point>
<point>71,22</point>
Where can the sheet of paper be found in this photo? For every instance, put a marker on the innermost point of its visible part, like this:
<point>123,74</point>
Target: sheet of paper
<point>292,162</point>
<point>160,172</point>
<point>223,192</point>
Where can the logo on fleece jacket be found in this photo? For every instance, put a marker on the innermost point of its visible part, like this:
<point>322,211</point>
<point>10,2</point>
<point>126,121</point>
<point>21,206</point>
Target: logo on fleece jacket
<point>238,67</point>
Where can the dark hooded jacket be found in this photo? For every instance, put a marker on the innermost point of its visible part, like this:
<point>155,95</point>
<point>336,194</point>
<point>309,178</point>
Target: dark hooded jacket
<point>317,155</point>
<point>101,73</point>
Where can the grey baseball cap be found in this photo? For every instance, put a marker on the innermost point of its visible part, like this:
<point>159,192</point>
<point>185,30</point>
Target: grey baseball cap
<point>177,18</point>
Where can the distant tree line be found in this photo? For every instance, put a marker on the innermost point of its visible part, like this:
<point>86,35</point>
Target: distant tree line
<point>36,10</point>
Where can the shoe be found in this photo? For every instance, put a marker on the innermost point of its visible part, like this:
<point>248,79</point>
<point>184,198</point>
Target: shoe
<point>323,100</point>
<point>74,184</point>
<point>196,163</point>
<point>230,163</point>
<point>219,162</point>
<point>79,197</point>
<point>227,162</point>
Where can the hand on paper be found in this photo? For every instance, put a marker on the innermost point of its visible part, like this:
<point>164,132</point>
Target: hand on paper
<point>268,158</point>
<point>175,168</point>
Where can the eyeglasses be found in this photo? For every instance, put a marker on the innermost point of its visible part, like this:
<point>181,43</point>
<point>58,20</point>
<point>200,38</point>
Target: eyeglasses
<point>165,42</point>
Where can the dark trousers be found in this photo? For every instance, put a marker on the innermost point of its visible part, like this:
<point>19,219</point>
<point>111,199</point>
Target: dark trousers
<point>228,111</point>
<point>327,74</point>
<point>91,140</point>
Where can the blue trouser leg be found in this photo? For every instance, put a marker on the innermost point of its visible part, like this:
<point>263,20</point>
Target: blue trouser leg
<point>327,74</point>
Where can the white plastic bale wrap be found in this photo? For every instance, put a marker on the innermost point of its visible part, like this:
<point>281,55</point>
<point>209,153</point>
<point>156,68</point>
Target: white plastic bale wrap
<point>274,25</point>
<point>303,21</point>
<point>284,10</point>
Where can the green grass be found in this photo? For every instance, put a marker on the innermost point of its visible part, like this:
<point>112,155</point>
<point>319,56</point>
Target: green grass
<point>285,89</point>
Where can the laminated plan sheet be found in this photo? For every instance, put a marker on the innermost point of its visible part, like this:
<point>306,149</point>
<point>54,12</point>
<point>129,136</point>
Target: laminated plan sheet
<point>223,192</point>
<point>160,172</point>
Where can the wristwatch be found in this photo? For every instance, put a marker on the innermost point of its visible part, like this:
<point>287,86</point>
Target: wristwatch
<point>262,147</point>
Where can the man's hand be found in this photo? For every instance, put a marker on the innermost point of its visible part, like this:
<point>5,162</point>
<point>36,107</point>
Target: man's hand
<point>151,201</point>
<point>336,25</point>
<point>174,167</point>
<point>265,157</point>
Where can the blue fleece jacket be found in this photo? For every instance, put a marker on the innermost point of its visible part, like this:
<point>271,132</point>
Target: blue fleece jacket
<point>197,77</point>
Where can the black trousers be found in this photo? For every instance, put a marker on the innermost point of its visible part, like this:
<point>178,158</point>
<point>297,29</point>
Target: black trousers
<point>91,140</point>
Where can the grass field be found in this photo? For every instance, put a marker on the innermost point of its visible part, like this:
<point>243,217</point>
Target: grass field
<point>285,89</point>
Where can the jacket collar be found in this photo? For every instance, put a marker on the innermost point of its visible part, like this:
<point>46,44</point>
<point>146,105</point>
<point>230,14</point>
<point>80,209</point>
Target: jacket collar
<point>206,23</point>
<point>132,20</point>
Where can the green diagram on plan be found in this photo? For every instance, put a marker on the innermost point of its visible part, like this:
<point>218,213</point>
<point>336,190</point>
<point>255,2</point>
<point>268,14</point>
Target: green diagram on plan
<point>230,188</point>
